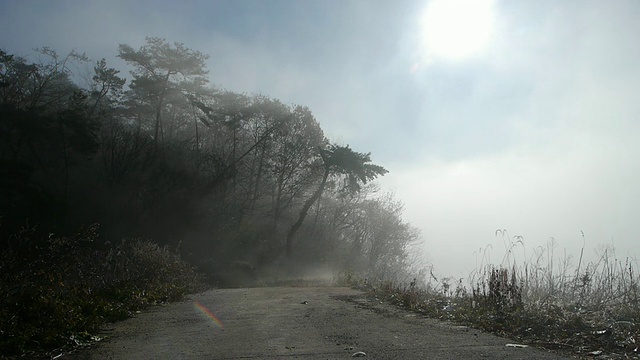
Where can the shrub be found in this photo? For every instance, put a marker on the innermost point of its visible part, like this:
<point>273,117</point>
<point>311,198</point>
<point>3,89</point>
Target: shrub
<point>56,291</point>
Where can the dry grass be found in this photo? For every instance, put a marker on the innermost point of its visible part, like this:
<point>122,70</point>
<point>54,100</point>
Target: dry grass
<point>56,292</point>
<point>584,310</point>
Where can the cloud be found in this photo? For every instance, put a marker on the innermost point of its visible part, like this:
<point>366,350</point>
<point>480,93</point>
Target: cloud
<point>585,184</point>
<point>569,163</point>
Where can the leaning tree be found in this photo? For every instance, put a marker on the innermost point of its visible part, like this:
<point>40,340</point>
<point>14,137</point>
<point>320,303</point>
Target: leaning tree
<point>340,161</point>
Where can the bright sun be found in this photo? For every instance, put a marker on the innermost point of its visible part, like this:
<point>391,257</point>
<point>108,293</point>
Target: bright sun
<point>457,29</point>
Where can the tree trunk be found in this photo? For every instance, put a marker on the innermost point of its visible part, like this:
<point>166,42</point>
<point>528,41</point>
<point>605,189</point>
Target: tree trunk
<point>305,210</point>
<point>258,177</point>
<point>195,121</point>
<point>159,108</point>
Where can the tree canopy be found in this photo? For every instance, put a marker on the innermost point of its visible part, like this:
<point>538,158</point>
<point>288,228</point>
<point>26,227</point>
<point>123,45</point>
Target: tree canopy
<point>221,176</point>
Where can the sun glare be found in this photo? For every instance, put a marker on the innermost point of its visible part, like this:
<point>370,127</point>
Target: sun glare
<point>457,29</point>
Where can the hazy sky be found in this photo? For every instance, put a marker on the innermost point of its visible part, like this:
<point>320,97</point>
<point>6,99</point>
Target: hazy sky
<point>518,115</point>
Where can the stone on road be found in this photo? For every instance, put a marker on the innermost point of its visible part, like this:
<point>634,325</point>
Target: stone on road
<point>295,323</point>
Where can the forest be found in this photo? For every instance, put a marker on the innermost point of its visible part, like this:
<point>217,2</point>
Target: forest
<point>224,179</point>
<point>119,191</point>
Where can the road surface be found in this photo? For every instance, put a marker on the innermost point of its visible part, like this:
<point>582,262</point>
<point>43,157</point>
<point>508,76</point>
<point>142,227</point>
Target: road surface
<point>294,323</point>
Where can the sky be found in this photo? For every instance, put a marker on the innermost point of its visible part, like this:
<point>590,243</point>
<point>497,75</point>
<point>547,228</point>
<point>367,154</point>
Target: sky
<point>489,114</point>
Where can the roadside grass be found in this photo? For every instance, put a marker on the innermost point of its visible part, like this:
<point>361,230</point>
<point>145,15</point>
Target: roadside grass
<point>591,309</point>
<point>56,292</point>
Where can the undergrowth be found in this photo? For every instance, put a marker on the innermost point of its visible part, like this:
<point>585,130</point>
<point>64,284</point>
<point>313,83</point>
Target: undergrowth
<point>585,310</point>
<point>56,292</point>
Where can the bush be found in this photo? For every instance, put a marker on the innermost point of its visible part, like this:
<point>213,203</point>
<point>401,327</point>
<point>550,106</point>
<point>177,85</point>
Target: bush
<point>56,291</point>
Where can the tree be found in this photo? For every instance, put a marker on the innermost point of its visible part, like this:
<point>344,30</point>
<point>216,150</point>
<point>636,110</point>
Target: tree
<point>387,236</point>
<point>46,136</point>
<point>294,150</point>
<point>162,69</point>
<point>354,167</point>
<point>106,85</point>
<point>16,79</point>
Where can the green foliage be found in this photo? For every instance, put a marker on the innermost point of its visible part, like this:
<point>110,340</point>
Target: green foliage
<point>57,290</point>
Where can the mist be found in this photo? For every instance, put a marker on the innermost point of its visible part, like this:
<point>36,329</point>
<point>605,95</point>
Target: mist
<point>533,134</point>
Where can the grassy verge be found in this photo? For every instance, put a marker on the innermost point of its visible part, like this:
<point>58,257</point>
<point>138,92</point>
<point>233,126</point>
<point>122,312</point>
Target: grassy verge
<point>56,292</point>
<point>584,311</point>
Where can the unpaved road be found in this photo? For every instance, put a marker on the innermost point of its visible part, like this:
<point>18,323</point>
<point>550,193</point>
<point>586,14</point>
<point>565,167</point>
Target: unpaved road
<point>294,323</point>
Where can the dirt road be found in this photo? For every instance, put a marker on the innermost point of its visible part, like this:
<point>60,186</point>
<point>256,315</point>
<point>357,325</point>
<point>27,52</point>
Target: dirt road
<point>294,323</point>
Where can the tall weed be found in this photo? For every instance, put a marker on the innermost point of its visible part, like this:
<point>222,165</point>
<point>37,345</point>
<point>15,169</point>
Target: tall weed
<point>590,308</point>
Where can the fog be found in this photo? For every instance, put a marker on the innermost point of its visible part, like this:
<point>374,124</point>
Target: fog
<point>535,133</point>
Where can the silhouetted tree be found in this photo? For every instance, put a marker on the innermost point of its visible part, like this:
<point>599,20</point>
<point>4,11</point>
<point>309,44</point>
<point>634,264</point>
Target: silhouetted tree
<point>236,179</point>
<point>294,159</point>
<point>162,70</point>
<point>106,88</point>
<point>354,167</point>
<point>45,134</point>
